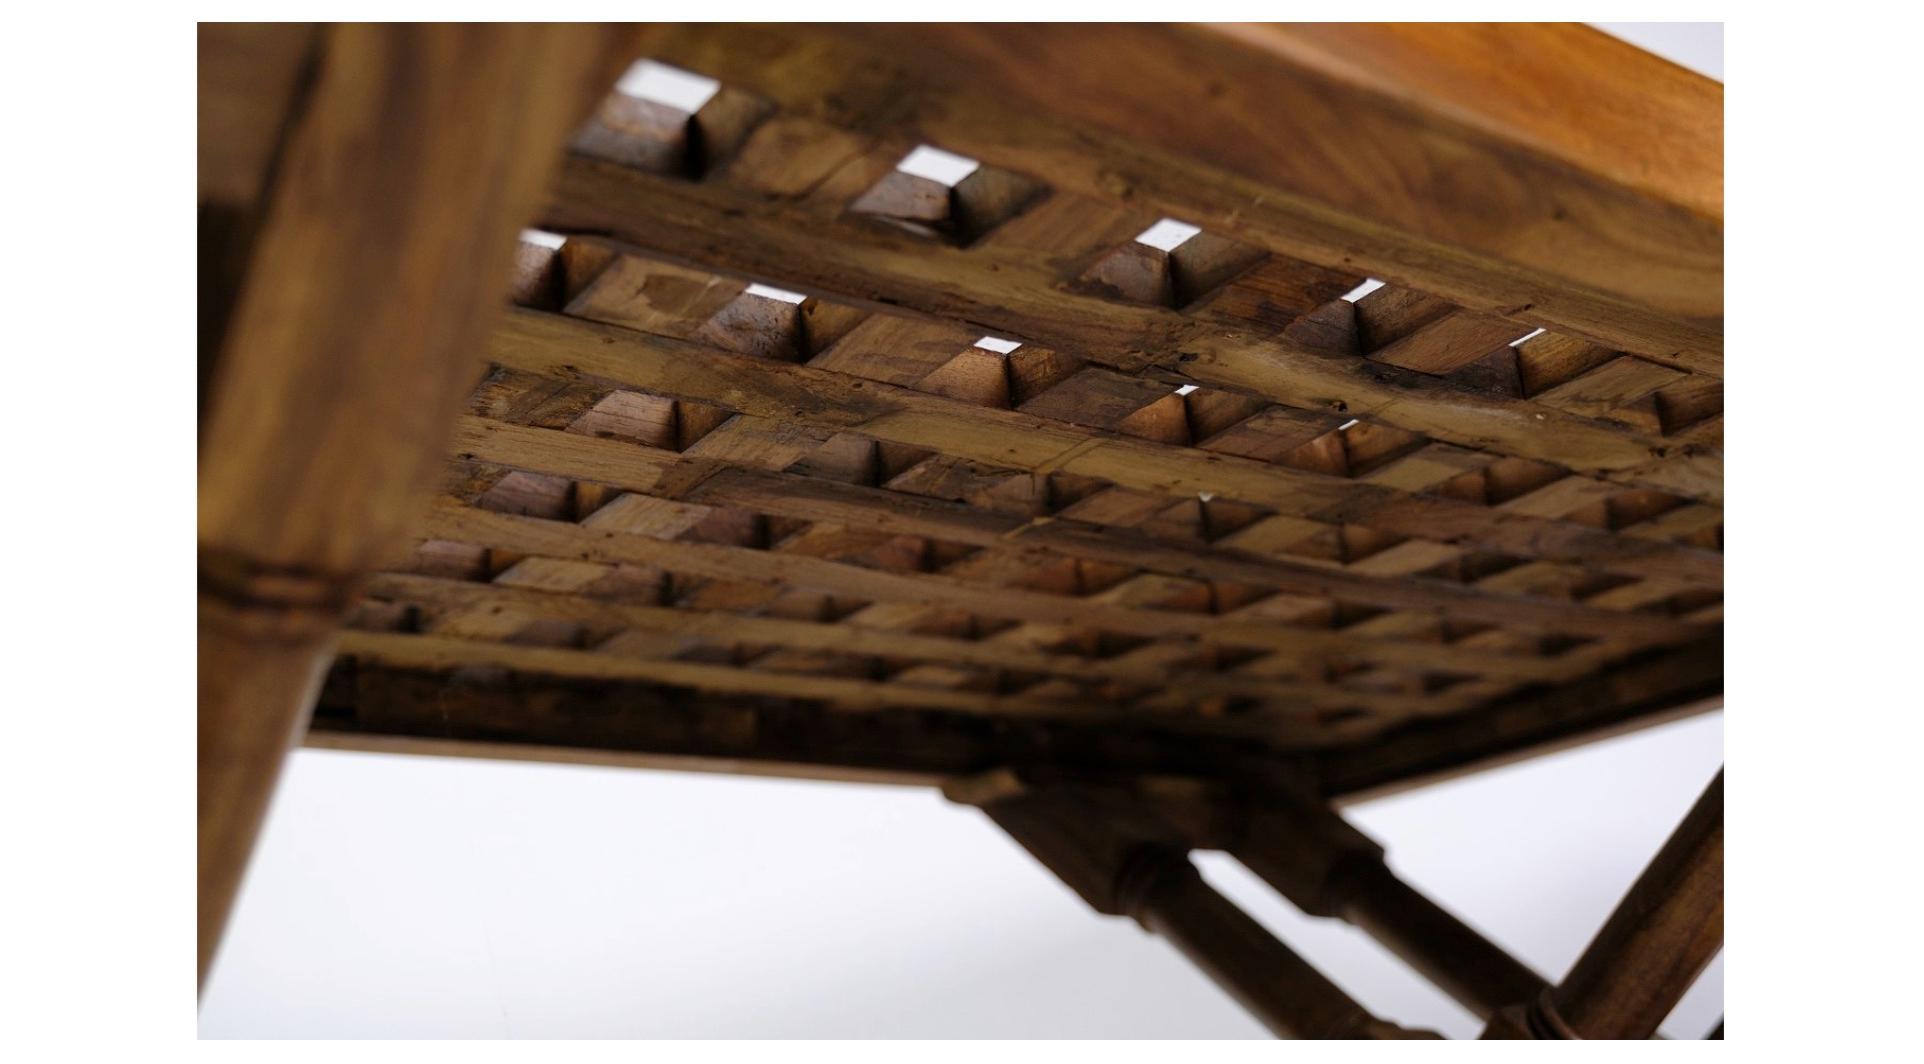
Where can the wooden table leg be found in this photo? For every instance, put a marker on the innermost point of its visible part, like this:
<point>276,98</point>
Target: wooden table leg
<point>381,212</point>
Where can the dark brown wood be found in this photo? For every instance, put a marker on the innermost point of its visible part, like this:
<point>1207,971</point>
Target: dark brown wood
<point>610,547</point>
<point>1016,291</point>
<point>1655,944</point>
<point>569,350</point>
<point>391,191</point>
<point>678,458</point>
<point>1125,861</point>
<point>372,707</point>
<point>1271,980</point>
<point>660,474</point>
<point>665,474</point>
<point>1327,868</point>
<point>469,599</point>
<point>1197,463</point>
<point>557,719</point>
<point>1434,941</point>
<point>1657,688</point>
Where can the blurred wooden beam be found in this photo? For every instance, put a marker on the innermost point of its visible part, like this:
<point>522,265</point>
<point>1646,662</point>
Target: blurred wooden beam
<point>388,191</point>
<point>556,719</point>
<point>369,707</point>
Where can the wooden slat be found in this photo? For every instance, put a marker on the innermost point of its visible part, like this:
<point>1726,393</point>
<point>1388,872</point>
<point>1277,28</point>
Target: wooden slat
<point>1020,294</point>
<point>566,720</point>
<point>1293,138</point>
<point>664,474</point>
<point>689,626</point>
<point>325,736</point>
<point>567,540</point>
<point>557,346</point>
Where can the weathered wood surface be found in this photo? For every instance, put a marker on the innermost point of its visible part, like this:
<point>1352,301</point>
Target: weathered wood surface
<point>990,454</point>
<point>553,413</point>
<point>1408,153</point>
<point>654,449</point>
<point>568,350</point>
<point>367,706</point>
<point>248,76</point>
<point>608,545</point>
<point>666,475</point>
<point>389,190</point>
<point>1007,287</point>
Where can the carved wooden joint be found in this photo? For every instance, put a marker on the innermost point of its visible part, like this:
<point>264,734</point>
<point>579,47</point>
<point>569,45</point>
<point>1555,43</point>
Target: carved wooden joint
<point>1313,857</point>
<point>1106,844</point>
<point>1118,850</point>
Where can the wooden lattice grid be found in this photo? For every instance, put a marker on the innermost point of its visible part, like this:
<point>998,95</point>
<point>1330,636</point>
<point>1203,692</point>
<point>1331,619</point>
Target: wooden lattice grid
<point>974,447</point>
